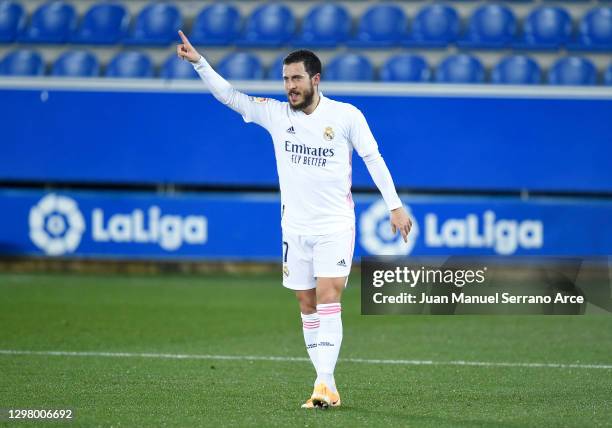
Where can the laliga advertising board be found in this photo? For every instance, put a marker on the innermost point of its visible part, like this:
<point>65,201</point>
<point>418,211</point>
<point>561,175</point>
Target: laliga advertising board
<point>191,227</point>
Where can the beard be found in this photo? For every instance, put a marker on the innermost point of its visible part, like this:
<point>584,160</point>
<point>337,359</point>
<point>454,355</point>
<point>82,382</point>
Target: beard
<point>308,96</point>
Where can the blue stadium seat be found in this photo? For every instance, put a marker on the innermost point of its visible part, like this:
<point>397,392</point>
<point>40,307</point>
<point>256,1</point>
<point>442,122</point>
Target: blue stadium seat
<point>241,66</point>
<point>218,24</point>
<point>130,65</point>
<point>545,28</point>
<point>596,30</point>
<point>405,68</point>
<point>76,64</point>
<point>275,71</point>
<point>52,22</point>
<point>271,25</point>
<point>176,68</point>
<point>103,24</point>
<point>349,67</point>
<point>517,70</point>
<point>12,20</point>
<point>436,25</point>
<point>381,25</point>
<point>608,75</point>
<point>22,63</point>
<point>325,25</point>
<point>491,26</point>
<point>572,70</point>
<point>460,69</point>
<point>156,25</point>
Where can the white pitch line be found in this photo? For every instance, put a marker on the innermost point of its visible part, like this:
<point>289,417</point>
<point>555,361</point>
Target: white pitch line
<point>303,359</point>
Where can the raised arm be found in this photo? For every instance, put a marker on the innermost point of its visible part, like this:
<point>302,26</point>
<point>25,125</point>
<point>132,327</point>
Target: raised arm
<point>252,109</point>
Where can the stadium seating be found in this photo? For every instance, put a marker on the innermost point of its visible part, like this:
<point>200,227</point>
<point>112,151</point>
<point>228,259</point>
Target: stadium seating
<point>405,68</point>
<point>490,26</point>
<point>381,25</point>
<point>460,68</point>
<point>435,25</point>
<point>176,68</point>
<point>156,25</point>
<point>572,71</point>
<point>270,25</point>
<point>217,24</point>
<point>130,65</point>
<point>325,25</point>
<point>22,63</point>
<point>349,67</point>
<point>12,20</point>
<point>241,66</point>
<point>52,22</point>
<point>76,64</point>
<point>516,70</point>
<point>545,28</point>
<point>596,30</point>
<point>544,25</point>
<point>608,75</point>
<point>103,24</point>
<point>275,71</point>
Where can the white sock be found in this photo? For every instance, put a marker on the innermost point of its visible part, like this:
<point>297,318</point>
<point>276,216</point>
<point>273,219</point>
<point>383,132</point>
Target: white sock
<point>310,326</point>
<point>328,342</point>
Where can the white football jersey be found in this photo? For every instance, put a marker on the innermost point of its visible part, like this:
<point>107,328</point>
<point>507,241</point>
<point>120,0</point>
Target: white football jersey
<point>313,157</point>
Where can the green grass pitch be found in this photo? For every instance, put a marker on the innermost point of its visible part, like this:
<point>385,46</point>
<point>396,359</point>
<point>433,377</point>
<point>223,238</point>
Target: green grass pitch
<point>252,315</point>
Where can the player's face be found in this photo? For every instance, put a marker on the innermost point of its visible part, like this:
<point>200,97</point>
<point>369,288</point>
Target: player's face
<point>298,85</point>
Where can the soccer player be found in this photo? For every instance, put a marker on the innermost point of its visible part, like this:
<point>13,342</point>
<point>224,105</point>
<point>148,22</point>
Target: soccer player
<point>314,138</point>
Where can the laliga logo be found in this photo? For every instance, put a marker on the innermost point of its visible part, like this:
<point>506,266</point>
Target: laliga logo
<point>504,236</point>
<point>56,225</point>
<point>169,231</point>
<point>376,235</point>
<point>500,235</point>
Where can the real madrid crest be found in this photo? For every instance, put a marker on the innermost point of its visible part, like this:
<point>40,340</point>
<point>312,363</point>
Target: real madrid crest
<point>285,269</point>
<point>258,100</point>
<point>328,134</point>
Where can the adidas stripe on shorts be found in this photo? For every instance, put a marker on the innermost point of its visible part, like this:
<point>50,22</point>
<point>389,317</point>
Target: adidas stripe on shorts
<point>307,257</point>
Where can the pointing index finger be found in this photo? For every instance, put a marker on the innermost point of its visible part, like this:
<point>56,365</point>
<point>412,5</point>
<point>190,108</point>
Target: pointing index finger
<point>184,38</point>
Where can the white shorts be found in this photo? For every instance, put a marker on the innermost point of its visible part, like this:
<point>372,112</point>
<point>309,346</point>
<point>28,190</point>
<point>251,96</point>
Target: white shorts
<point>308,257</point>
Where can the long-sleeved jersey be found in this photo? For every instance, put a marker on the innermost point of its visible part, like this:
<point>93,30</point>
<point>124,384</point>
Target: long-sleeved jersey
<point>313,155</point>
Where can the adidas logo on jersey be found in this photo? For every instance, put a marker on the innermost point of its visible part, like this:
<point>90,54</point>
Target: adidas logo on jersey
<point>291,130</point>
<point>341,263</point>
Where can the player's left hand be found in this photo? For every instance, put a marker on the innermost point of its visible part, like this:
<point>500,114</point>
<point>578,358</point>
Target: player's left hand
<point>400,221</point>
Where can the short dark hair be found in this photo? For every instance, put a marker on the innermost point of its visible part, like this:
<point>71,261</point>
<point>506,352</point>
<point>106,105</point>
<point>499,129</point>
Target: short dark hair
<point>312,63</point>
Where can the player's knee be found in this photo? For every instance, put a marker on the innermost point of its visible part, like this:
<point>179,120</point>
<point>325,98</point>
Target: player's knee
<point>307,301</point>
<point>329,290</point>
<point>308,307</point>
<point>328,297</point>
<point>308,304</point>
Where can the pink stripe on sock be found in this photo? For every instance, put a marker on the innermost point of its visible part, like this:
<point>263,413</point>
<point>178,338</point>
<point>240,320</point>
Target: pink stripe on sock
<point>331,306</point>
<point>334,311</point>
